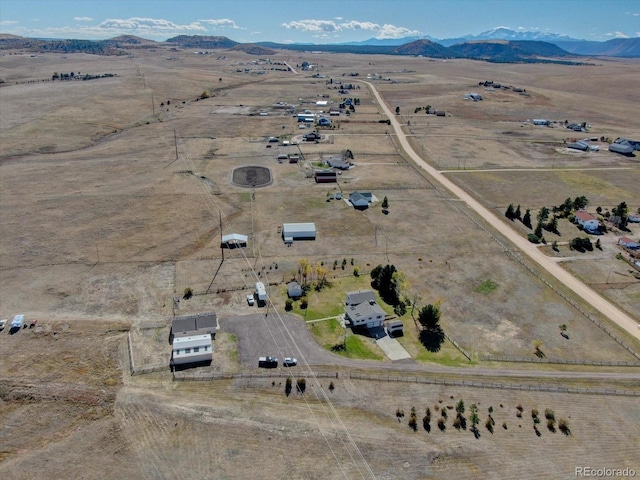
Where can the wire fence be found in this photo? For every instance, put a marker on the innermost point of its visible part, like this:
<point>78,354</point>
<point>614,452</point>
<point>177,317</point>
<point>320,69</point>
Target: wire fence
<point>207,376</point>
<point>598,363</point>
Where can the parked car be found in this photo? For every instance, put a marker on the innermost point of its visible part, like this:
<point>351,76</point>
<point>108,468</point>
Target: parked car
<point>3,323</point>
<point>290,362</point>
<point>250,299</point>
<point>268,362</point>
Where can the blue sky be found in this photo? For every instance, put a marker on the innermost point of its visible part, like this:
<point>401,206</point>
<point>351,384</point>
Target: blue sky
<point>324,21</point>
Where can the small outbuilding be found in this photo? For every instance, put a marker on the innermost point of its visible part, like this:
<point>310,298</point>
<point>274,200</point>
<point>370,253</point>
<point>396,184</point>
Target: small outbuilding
<point>325,176</point>
<point>579,145</point>
<point>234,240</point>
<point>294,290</point>
<point>395,328</point>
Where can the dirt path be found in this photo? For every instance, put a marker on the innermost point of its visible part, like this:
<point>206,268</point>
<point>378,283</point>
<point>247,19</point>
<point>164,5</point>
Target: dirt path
<point>587,294</point>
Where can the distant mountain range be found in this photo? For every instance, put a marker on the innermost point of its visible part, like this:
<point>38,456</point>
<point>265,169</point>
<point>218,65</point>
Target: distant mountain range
<point>498,45</point>
<point>619,47</point>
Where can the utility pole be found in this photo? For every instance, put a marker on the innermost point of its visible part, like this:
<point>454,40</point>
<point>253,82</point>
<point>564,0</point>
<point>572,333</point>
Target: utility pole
<point>220,224</point>
<point>175,142</point>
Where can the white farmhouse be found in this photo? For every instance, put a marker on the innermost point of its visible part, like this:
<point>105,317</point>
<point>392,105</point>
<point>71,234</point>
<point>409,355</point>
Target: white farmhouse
<point>588,221</point>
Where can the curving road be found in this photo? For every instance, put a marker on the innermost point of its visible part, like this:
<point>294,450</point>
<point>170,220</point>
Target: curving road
<point>601,304</point>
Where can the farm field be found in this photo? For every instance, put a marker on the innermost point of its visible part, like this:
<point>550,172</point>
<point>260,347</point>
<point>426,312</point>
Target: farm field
<point>114,194</point>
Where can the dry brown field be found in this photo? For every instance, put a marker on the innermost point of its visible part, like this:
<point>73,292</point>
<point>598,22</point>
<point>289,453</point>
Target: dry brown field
<point>112,192</point>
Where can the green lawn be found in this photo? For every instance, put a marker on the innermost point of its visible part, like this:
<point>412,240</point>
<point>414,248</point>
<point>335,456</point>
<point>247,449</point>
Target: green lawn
<point>330,303</point>
<point>486,287</point>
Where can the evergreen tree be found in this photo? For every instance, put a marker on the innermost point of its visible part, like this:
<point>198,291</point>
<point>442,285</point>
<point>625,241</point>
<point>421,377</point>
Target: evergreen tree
<point>526,220</point>
<point>518,214</point>
<point>510,213</point>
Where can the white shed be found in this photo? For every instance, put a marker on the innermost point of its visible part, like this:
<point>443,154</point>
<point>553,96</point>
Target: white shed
<point>299,231</point>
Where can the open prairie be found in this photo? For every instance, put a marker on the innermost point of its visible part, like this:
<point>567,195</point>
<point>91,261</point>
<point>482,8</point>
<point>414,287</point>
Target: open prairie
<point>113,192</point>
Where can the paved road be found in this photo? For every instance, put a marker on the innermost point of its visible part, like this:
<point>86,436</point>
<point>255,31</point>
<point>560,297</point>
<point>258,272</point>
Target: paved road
<point>587,294</point>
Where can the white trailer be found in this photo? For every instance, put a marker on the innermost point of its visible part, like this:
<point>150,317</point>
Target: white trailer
<point>261,293</point>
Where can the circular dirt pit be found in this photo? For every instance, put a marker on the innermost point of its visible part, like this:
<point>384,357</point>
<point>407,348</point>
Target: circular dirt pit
<point>252,176</point>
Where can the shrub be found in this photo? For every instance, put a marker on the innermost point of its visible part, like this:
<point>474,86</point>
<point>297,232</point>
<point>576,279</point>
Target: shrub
<point>413,423</point>
<point>533,238</point>
<point>188,293</point>
<point>563,426</point>
<point>489,424</point>
<point>442,424</point>
<point>304,303</point>
<point>551,425</point>
<point>548,413</point>
<point>504,425</point>
<point>301,385</point>
<point>287,387</point>
<point>332,387</point>
<point>288,305</point>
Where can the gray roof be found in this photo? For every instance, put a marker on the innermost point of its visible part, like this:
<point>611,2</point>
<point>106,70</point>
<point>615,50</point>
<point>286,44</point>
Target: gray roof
<point>199,324</point>
<point>294,289</point>
<point>622,147</point>
<point>355,298</point>
<point>364,310</point>
<point>358,199</point>
<point>579,145</point>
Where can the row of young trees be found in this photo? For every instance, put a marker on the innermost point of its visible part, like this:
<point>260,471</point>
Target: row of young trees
<point>460,421</point>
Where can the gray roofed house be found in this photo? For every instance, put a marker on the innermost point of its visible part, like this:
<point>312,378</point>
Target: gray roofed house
<point>360,200</point>
<point>356,298</point>
<point>365,314</point>
<point>339,162</point>
<point>198,324</point>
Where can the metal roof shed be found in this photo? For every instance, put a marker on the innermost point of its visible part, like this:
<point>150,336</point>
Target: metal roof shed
<point>299,231</point>
<point>234,240</point>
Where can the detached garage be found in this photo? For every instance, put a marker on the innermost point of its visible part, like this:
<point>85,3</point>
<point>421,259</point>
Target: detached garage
<point>298,231</point>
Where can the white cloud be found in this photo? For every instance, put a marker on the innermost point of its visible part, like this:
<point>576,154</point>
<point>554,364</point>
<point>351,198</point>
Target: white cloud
<point>355,25</point>
<point>323,27</point>
<point>312,25</point>
<point>82,19</point>
<point>8,22</point>
<point>391,31</point>
<point>147,25</point>
<point>222,22</point>
<point>616,35</point>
